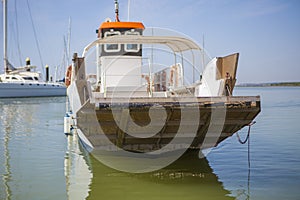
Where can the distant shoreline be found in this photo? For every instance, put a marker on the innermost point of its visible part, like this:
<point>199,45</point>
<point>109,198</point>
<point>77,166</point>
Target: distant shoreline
<point>280,84</point>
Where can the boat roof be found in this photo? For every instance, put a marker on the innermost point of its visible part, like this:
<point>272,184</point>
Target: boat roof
<point>175,43</point>
<point>109,25</point>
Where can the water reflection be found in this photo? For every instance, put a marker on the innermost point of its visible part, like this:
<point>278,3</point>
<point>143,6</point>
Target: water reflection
<point>77,171</point>
<point>187,178</point>
<point>30,149</point>
<point>6,177</point>
<point>12,117</point>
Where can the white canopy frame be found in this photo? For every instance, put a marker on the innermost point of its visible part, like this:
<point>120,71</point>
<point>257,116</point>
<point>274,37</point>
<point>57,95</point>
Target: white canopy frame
<point>177,44</point>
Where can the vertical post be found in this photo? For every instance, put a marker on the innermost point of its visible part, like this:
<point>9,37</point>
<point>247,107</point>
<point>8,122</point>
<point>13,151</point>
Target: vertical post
<point>27,61</point>
<point>47,73</point>
<point>117,10</point>
<point>151,67</point>
<point>203,61</point>
<point>99,70</point>
<point>194,66</point>
<point>5,36</point>
<point>128,10</point>
<point>74,67</point>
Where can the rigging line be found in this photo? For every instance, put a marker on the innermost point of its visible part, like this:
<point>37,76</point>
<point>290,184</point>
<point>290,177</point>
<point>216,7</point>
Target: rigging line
<point>35,35</point>
<point>17,34</point>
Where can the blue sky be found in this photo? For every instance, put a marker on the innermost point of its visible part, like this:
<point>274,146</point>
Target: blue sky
<point>266,33</point>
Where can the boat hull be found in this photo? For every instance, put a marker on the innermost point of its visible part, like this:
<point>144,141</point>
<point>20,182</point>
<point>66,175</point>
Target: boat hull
<point>150,124</point>
<point>11,90</point>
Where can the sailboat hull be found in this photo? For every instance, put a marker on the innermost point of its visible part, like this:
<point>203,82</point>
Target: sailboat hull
<point>12,90</point>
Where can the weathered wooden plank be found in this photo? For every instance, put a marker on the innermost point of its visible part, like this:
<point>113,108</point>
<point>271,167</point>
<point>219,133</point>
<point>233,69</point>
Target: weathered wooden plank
<point>240,111</point>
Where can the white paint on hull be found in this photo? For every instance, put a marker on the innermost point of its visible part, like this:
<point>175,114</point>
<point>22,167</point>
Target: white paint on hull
<point>10,90</point>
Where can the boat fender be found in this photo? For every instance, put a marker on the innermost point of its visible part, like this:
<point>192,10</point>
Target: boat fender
<point>67,124</point>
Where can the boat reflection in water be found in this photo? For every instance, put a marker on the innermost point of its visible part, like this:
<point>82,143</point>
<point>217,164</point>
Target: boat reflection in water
<point>77,171</point>
<point>187,178</point>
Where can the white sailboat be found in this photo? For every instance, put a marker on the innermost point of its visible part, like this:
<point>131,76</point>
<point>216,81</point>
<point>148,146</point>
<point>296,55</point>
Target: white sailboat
<point>24,81</point>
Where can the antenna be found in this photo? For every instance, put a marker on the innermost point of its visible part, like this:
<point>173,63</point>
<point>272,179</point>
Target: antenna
<point>128,11</point>
<point>203,61</point>
<point>117,10</point>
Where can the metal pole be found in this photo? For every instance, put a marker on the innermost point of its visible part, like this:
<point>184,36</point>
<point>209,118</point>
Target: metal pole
<point>47,73</point>
<point>117,10</point>
<point>5,36</point>
<point>203,61</point>
<point>128,11</point>
<point>69,41</point>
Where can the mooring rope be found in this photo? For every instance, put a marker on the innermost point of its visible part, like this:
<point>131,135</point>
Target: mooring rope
<point>247,140</point>
<point>243,142</point>
<point>248,135</point>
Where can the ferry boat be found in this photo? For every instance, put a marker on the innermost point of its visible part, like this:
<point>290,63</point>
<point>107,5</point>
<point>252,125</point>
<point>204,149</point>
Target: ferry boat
<point>25,81</point>
<point>121,99</point>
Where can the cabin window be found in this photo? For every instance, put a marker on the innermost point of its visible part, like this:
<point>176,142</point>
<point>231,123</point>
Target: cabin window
<point>36,78</point>
<point>14,78</point>
<point>132,47</point>
<point>112,47</point>
<point>28,78</point>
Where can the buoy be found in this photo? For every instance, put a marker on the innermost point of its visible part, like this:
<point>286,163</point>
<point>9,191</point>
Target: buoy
<point>67,124</point>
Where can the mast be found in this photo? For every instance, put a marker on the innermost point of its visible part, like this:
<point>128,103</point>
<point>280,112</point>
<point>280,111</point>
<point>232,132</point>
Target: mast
<point>69,41</point>
<point>5,36</point>
<point>117,10</point>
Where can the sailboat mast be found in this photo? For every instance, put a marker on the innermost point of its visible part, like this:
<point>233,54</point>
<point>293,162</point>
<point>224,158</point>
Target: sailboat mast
<point>5,35</point>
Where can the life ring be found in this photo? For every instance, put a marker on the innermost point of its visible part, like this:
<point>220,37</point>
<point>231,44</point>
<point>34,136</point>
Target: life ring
<point>68,76</point>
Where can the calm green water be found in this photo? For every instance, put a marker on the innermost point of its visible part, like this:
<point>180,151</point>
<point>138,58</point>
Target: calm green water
<point>39,162</point>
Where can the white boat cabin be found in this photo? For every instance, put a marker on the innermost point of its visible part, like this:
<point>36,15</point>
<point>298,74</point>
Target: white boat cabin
<point>123,68</point>
<point>21,77</point>
<point>119,65</point>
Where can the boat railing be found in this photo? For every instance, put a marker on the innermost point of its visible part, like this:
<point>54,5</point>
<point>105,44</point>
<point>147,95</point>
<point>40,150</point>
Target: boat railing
<point>168,78</point>
<point>152,82</point>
